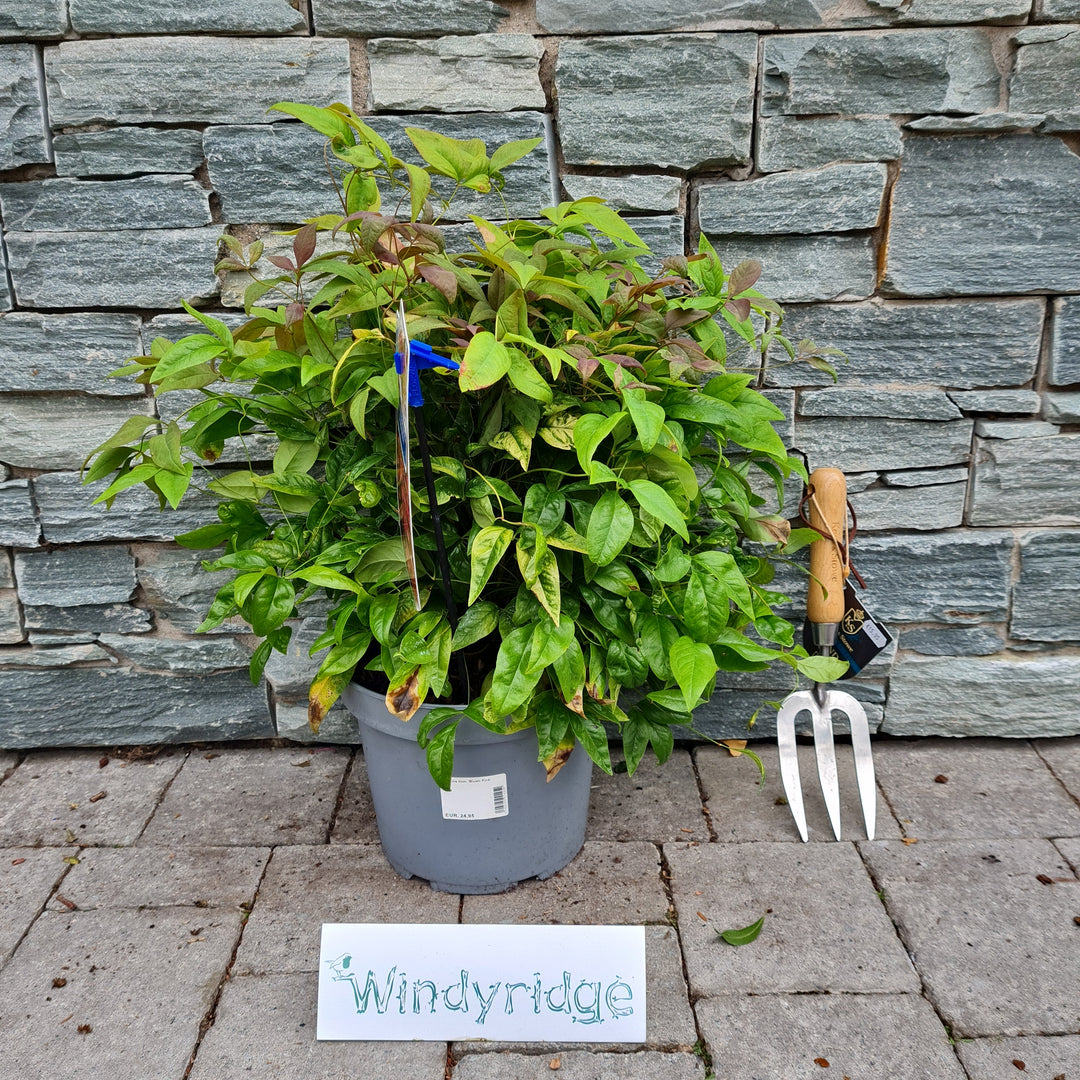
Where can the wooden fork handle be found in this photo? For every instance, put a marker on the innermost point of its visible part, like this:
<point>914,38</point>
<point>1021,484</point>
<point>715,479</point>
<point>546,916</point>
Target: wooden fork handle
<point>828,515</point>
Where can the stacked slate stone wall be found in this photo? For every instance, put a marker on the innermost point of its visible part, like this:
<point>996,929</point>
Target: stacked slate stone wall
<point>906,170</point>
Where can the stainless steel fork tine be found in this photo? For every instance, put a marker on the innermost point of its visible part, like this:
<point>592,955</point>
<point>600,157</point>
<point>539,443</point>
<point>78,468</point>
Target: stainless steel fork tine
<point>864,766</point>
<point>789,756</point>
<point>825,752</point>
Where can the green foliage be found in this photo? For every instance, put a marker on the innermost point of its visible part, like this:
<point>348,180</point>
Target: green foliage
<point>592,457</point>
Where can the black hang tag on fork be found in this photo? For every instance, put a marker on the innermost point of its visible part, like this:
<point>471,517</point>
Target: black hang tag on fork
<point>860,637</point>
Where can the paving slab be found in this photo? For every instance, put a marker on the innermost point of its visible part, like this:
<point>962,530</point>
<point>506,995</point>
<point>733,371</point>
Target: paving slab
<point>251,796</point>
<point>607,883</point>
<point>8,761</point>
<point>265,1025</point>
<point>989,925</point>
<point>1005,1059</point>
<point>742,809</point>
<point>825,928</point>
<point>1063,757</point>
<point>47,800</point>
<point>138,984</point>
<point>657,803</point>
<point>800,1036</point>
<point>355,822</point>
<point>306,886</point>
<point>669,1021</point>
<point>153,877</point>
<point>992,787</point>
<point>27,878</point>
<point>579,1065</point>
<point>1071,850</point>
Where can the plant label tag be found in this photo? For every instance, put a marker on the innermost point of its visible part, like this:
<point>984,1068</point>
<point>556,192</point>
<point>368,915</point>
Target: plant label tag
<point>860,637</point>
<point>475,798</point>
<point>503,983</point>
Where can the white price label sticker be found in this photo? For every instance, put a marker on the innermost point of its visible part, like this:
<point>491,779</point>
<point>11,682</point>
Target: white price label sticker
<point>475,798</point>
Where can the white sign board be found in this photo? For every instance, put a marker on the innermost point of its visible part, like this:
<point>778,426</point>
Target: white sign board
<point>452,982</point>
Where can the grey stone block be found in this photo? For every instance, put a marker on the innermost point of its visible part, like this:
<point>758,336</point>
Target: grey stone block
<point>69,516</point>
<point>128,151</point>
<point>871,443</point>
<point>1026,482</point>
<point>962,11</point>
<point>928,508</point>
<point>581,1065</point>
<point>786,142</point>
<point>605,883</point>
<point>57,432</point>
<point>1043,53</point>
<point>985,216</point>
<point>669,1020</point>
<point>7,576</point>
<point>664,235</point>
<point>899,404</point>
<point>40,805</point>
<point>1065,342</point>
<point>308,885</point>
<point>45,19</point>
<point>88,619</point>
<point>68,707</point>
<point>955,577</point>
<point>960,343</point>
<point>898,1036</point>
<point>618,105</point>
<point>378,18</point>
<point>339,726</point>
<point>27,879</point>
<point>803,269</point>
<point>984,123</point>
<point>148,877</point>
<point>993,944</point>
<point>741,809</point>
<point>11,631</point>
<point>66,578</point>
<point>827,931</point>
<point>836,198</point>
<point>994,788</point>
<point>67,352</point>
<point>25,139</point>
<point>741,714</point>
<point>996,1058</point>
<point>68,205</point>
<point>205,80</point>
<point>272,1019</point>
<point>953,641</point>
<point>1014,429</point>
<point>1058,9</point>
<point>175,585</point>
<point>1062,408</point>
<point>250,796</point>
<point>1022,402</point>
<point>921,477</point>
<point>138,982</point>
<point>110,269</point>
<point>658,803</point>
<point>220,17</point>
<point>18,523</point>
<point>58,656</point>
<point>1012,696</point>
<point>1043,608</point>
<point>909,71</point>
<point>185,657</point>
<point>663,193</point>
<point>290,673</point>
<point>474,73</point>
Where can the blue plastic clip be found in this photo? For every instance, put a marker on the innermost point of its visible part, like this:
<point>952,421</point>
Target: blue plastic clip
<point>420,358</point>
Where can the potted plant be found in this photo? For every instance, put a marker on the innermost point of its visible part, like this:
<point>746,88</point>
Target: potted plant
<point>586,524</point>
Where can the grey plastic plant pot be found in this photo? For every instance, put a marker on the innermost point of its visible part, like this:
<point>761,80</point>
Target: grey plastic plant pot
<point>540,826</point>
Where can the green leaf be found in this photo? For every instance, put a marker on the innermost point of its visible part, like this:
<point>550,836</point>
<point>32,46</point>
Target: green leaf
<point>548,643</point>
<point>693,666</point>
<point>590,431</point>
<point>674,565</point>
<point>648,417</point>
<point>525,378</point>
<point>189,352</point>
<point>419,189</point>
<point>327,578</point>
<point>544,507</point>
<point>484,363</point>
<point>475,624</point>
<point>324,121</point>
<point>655,636</point>
<point>269,604</point>
<point>569,669</point>
<point>385,558</point>
<point>215,326</point>
<point>610,527</point>
<point>295,456</point>
<point>488,547</point>
<point>440,755</point>
<point>592,736</point>
<point>654,499</point>
<point>510,152</point>
<point>209,536</point>
<point>605,219</point>
<point>722,566</point>
<point>823,669</point>
<point>461,160</point>
<point>381,616</point>
<point>173,484</point>
<point>552,724</point>
<point>512,685</point>
<point>130,430</point>
<point>745,935</point>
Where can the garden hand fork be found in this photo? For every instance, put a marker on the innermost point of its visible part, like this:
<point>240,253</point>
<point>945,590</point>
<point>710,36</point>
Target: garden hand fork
<point>827,493</point>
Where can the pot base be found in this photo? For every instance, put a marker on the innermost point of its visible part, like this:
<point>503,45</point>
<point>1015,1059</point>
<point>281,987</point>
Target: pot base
<point>527,828</point>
